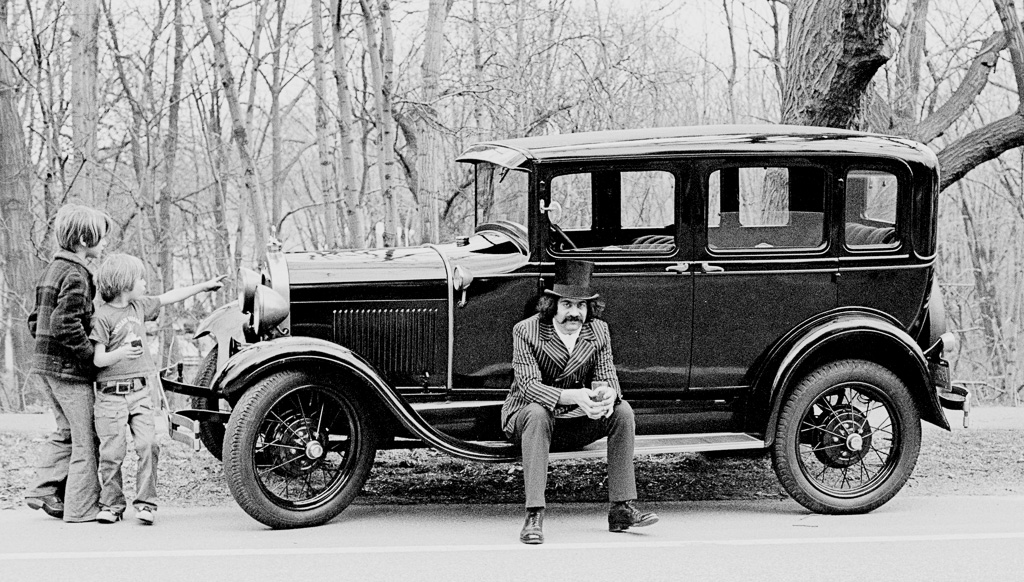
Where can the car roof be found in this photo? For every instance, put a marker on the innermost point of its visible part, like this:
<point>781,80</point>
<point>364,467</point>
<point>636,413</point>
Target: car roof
<point>703,139</point>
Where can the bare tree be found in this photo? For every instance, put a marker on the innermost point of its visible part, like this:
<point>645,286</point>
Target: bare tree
<point>84,106</point>
<point>19,265</point>
<point>239,133</point>
<point>381,63</point>
<point>355,213</point>
<point>325,152</point>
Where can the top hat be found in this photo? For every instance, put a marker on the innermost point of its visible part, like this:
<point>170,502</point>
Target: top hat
<point>572,280</point>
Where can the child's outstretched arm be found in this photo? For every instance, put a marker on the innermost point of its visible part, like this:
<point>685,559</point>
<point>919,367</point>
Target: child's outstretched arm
<point>183,293</point>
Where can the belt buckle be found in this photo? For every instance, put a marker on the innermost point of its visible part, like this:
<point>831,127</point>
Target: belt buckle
<point>121,388</point>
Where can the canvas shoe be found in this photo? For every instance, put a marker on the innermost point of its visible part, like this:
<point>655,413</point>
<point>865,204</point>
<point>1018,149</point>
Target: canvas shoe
<point>108,516</point>
<point>146,515</point>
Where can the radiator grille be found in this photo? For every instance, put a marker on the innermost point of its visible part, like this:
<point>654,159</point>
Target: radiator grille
<point>396,341</point>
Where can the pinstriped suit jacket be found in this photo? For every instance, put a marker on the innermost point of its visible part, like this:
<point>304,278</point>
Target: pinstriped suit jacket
<point>542,366</point>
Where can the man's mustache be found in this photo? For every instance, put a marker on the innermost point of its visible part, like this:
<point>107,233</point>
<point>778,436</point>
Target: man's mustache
<point>575,318</point>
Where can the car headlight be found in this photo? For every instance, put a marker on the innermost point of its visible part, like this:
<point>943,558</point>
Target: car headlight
<point>268,309</point>
<point>248,281</point>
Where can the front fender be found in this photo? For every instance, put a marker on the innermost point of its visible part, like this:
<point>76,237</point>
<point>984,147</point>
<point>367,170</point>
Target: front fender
<point>859,333</point>
<point>223,325</point>
<point>257,360</point>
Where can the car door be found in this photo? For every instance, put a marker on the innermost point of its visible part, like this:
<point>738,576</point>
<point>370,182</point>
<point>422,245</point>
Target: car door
<point>764,262</point>
<point>624,217</point>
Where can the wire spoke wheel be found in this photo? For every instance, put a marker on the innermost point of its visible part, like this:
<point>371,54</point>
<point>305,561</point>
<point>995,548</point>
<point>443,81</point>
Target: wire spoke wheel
<point>301,457</point>
<point>848,438</point>
<point>298,450</point>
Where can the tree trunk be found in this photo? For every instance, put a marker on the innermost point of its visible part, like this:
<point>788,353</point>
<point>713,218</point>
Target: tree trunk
<point>238,130</point>
<point>20,266</point>
<point>833,51</point>
<point>355,213</point>
<point>381,61</point>
<point>84,108</point>
<point>276,141</point>
<point>428,161</point>
<point>166,201</point>
<point>324,150</point>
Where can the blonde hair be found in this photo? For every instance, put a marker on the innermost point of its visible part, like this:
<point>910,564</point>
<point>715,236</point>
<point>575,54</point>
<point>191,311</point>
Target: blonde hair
<point>76,224</point>
<point>118,274</point>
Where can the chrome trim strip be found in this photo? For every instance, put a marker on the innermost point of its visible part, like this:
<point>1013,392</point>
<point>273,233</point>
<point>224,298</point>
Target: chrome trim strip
<point>277,267</point>
<point>449,277</point>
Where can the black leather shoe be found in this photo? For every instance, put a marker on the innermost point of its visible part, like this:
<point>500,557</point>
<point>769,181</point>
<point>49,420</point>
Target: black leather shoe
<point>533,529</point>
<point>624,515</point>
<point>50,504</point>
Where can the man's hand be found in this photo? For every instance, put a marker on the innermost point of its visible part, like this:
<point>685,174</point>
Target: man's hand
<point>592,402</point>
<point>605,397</point>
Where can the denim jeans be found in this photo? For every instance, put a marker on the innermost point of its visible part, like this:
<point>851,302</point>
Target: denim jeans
<point>115,414</point>
<point>66,465</point>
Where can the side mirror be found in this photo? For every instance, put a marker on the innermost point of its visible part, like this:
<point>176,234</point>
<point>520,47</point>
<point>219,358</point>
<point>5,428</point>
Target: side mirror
<point>553,210</point>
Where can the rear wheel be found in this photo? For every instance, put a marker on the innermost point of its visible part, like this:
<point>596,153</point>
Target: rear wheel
<point>298,450</point>
<point>210,433</point>
<point>848,438</point>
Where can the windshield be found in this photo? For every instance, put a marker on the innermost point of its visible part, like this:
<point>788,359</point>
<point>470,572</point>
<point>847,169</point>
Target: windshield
<point>501,194</point>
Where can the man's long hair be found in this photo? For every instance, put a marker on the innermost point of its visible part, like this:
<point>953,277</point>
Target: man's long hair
<point>547,307</point>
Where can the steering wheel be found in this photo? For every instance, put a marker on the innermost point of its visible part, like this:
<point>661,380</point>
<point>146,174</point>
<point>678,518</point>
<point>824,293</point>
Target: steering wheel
<point>561,234</point>
<point>511,229</point>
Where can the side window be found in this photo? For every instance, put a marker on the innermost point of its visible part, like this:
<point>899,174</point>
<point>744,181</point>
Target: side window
<point>766,207</point>
<point>871,197</point>
<point>613,211</point>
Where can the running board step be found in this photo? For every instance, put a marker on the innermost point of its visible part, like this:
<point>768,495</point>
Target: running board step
<point>673,443</point>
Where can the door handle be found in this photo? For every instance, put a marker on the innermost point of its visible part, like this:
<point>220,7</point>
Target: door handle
<point>683,267</point>
<point>708,268</point>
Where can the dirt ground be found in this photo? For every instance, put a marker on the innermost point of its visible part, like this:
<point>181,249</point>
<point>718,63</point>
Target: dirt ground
<point>974,462</point>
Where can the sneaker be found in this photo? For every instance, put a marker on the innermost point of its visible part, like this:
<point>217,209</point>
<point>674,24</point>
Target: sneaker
<point>108,516</point>
<point>146,515</point>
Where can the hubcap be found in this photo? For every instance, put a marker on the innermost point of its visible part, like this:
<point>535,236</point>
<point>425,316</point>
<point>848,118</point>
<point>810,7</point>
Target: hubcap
<point>314,450</point>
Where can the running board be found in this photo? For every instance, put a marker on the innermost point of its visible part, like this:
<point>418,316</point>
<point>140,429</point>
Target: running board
<point>673,443</point>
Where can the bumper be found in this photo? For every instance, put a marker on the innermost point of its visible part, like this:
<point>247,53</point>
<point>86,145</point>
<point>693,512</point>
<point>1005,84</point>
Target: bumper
<point>183,425</point>
<point>951,397</point>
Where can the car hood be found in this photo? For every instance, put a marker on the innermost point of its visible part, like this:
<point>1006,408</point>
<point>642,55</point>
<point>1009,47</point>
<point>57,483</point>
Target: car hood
<point>483,254</point>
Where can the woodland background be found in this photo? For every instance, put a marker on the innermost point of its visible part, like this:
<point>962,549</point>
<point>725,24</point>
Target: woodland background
<point>207,127</point>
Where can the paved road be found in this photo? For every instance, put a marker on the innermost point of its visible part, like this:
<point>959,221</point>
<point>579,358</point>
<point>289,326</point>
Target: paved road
<point>909,539</point>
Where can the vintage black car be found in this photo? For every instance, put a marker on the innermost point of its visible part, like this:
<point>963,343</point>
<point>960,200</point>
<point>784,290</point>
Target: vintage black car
<point>767,287</point>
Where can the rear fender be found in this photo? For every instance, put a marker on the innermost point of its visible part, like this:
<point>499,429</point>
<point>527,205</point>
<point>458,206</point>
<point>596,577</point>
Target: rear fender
<point>860,334</point>
<point>258,360</point>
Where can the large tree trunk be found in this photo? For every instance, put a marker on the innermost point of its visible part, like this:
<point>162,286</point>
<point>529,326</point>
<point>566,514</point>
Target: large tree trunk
<point>324,151</point>
<point>84,107</point>
<point>381,61</point>
<point>238,129</point>
<point>355,213</point>
<point>833,51</point>
<point>20,266</point>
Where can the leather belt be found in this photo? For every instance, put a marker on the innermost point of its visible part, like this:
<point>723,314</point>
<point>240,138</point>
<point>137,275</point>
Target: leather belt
<point>126,386</point>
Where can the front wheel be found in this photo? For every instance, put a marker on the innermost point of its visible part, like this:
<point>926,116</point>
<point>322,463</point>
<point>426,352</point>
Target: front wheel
<point>210,433</point>
<point>847,439</point>
<point>298,450</point>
